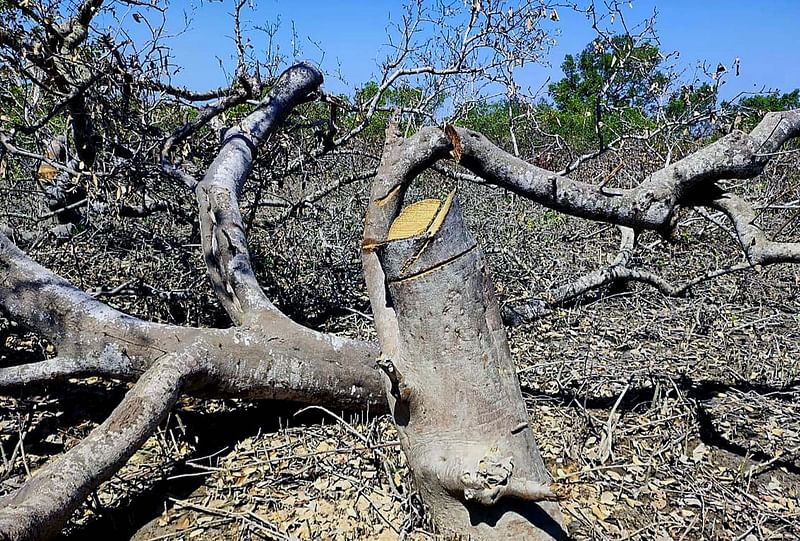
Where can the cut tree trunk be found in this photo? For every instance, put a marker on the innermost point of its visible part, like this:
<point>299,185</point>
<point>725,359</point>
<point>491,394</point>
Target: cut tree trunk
<point>452,384</point>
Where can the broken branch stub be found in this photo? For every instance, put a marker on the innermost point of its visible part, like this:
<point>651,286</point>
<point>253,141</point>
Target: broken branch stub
<point>454,391</point>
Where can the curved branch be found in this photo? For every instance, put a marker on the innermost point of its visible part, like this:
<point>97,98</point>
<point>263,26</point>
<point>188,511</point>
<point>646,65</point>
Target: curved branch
<point>758,249</point>
<point>39,509</point>
<point>598,278</point>
<point>77,28</point>
<point>403,159</point>
<point>281,360</point>
<point>539,307</point>
<point>184,93</point>
<point>204,117</point>
<point>652,203</point>
<point>221,227</point>
<point>760,253</point>
<point>47,303</point>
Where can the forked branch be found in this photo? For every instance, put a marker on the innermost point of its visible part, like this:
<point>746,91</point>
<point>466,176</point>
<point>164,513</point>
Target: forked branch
<point>690,182</point>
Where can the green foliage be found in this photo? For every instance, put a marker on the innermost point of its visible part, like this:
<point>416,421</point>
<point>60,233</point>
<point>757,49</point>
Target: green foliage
<point>489,118</point>
<point>575,127</point>
<point>629,72</point>
<point>751,109</point>
<point>12,104</point>
<point>764,103</point>
<point>492,119</point>
<point>619,82</point>
<point>548,218</point>
<point>690,100</point>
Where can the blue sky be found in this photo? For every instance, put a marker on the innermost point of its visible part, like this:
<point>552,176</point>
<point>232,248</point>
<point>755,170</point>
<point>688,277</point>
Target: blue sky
<point>352,34</point>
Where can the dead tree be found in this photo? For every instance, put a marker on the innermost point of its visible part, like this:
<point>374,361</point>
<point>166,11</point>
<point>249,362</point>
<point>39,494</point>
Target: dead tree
<point>472,453</point>
<point>451,382</point>
<point>438,322</point>
<point>265,356</point>
<point>442,363</point>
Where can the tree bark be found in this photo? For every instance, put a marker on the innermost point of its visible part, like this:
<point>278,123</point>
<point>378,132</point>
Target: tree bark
<point>43,505</point>
<point>278,360</point>
<point>452,385</point>
<point>265,356</point>
<point>450,379</point>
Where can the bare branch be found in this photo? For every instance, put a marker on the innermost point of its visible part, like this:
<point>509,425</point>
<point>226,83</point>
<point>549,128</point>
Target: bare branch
<point>39,509</point>
<point>58,368</point>
<point>204,117</point>
<point>76,29</point>
<point>652,203</point>
<point>758,249</point>
<point>222,229</point>
<point>281,361</point>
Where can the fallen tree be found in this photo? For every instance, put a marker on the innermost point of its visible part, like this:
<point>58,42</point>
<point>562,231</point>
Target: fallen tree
<point>266,356</point>
<point>428,285</point>
<point>442,365</point>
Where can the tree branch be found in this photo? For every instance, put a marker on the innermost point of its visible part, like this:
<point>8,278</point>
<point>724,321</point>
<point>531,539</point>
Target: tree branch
<point>652,203</point>
<point>221,227</point>
<point>758,249</point>
<point>281,360</point>
<point>58,368</point>
<point>40,508</point>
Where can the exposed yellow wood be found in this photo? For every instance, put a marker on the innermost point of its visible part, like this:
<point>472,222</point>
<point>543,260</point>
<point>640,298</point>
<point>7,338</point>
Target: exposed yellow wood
<point>438,220</point>
<point>47,172</point>
<point>414,220</point>
<point>381,201</point>
<point>455,140</point>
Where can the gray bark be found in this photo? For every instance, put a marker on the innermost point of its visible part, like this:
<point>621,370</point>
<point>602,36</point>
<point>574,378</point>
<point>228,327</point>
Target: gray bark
<point>265,356</point>
<point>693,181</point>
<point>652,203</point>
<point>450,380</point>
<point>452,385</point>
<point>42,506</point>
<point>285,361</point>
